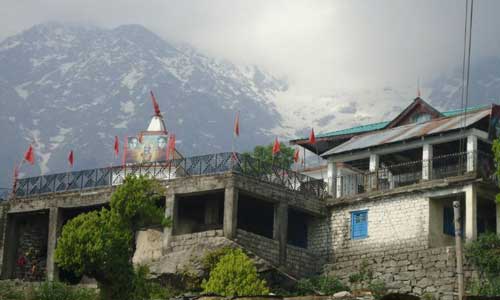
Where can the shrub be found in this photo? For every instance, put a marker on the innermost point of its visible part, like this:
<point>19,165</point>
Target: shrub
<point>8,291</point>
<point>60,291</point>
<point>324,285</point>
<point>210,260</point>
<point>235,275</point>
<point>484,254</point>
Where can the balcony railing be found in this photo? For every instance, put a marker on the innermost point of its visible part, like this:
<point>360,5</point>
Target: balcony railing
<point>167,170</point>
<point>404,174</point>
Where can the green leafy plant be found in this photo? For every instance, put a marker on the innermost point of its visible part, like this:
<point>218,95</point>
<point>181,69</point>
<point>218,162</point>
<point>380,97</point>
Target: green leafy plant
<point>100,244</point>
<point>283,159</point>
<point>378,288</point>
<point>210,260</point>
<point>9,291</point>
<point>60,291</point>
<point>324,285</point>
<point>235,275</point>
<point>484,254</point>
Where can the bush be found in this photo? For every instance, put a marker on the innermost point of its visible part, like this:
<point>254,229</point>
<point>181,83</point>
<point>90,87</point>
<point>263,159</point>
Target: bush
<point>60,291</point>
<point>8,291</point>
<point>324,285</point>
<point>235,275</point>
<point>484,254</point>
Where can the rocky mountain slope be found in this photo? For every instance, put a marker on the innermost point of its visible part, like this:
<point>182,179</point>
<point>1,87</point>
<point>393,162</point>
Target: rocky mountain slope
<point>69,87</point>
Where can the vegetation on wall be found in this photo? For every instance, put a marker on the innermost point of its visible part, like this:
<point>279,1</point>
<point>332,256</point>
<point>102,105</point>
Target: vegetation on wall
<point>283,159</point>
<point>100,244</point>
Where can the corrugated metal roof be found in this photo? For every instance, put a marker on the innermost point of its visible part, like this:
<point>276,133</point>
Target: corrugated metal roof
<point>381,125</point>
<point>406,132</point>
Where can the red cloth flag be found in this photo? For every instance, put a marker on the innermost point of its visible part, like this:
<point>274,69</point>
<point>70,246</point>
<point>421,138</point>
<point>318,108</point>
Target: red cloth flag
<point>312,137</point>
<point>155,105</point>
<point>29,156</point>
<point>276,146</point>
<point>171,147</point>
<point>296,155</point>
<point>117,145</point>
<point>71,158</point>
<point>237,124</point>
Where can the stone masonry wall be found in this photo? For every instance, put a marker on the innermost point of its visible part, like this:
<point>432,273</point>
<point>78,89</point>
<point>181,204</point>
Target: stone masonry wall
<point>418,272</point>
<point>300,261</point>
<point>32,244</point>
<point>398,222</point>
<point>187,241</point>
<point>263,247</point>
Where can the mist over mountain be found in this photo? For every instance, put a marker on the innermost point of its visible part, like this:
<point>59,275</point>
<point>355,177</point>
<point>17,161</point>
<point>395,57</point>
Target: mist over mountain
<point>68,87</point>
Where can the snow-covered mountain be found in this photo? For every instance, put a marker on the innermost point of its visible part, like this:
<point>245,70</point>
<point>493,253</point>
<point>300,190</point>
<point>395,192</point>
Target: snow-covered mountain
<point>71,87</point>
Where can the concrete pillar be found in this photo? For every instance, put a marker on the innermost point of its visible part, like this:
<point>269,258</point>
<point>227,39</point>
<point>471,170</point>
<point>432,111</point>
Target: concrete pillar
<point>498,218</point>
<point>230,211</point>
<point>55,224</point>
<point>374,164</point>
<point>470,213</point>
<point>332,178</point>
<point>471,153</point>
<point>171,213</point>
<point>211,212</point>
<point>10,247</point>
<point>427,162</point>
<point>282,230</point>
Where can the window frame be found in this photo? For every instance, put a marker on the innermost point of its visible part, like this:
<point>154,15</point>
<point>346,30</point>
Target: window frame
<point>353,215</point>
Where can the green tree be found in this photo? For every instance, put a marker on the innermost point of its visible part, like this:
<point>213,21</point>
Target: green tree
<point>284,158</point>
<point>235,275</point>
<point>100,244</point>
<point>496,153</point>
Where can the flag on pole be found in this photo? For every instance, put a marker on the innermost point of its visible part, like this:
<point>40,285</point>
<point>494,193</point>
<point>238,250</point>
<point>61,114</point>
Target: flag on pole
<point>71,158</point>
<point>16,176</point>
<point>276,146</point>
<point>237,124</point>
<point>171,147</point>
<point>29,156</point>
<point>155,105</point>
<point>296,155</point>
<point>117,146</point>
<point>312,137</point>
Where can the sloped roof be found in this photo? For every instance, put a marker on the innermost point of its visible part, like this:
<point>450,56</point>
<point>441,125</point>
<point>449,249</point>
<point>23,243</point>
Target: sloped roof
<point>410,131</point>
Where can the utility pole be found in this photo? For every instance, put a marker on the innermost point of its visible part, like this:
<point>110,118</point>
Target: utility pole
<point>458,249</point>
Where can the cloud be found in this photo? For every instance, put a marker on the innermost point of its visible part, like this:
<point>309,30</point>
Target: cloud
<point>321,47</point>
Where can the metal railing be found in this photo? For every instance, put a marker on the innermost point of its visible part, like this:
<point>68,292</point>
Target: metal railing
<point>404,174</point>
<point>5,193</point>
<point>210,164</point>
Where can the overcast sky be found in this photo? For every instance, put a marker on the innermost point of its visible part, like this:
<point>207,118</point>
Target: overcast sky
<point>319,46</point>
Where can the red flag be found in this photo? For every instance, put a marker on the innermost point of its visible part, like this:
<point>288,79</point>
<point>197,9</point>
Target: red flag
<point>276,146</point>
<point>237,124</point>
<point>312,137</point>
<point>71,158</point>
<point>296,155</point>
<point>29,156</point>
<point>171,146</point>
<point>155,105</point>
<point>117,145</point>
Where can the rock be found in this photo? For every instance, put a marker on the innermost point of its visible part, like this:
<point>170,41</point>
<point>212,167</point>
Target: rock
<point>342,294</point>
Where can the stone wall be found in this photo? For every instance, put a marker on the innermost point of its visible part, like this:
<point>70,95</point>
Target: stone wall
<point>301,262</point>
<point>414,271</point>
<point>187,241</point>
<point>263,247</point>
<point>32,233</point>
<point>398,222</point>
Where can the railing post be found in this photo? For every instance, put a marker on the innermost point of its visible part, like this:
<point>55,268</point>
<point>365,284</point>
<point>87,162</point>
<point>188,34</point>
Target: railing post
<point>427,162</point>
<point>471,153</point>
<point>374,164</point>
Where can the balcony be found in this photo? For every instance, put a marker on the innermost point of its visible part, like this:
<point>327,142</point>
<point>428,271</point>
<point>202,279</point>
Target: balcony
<point>386,177</point>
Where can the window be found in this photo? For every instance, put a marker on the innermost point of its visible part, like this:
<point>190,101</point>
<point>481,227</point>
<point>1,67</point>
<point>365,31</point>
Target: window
<point>359,224</point>
<point>448,225</point>
<point>421,118</point>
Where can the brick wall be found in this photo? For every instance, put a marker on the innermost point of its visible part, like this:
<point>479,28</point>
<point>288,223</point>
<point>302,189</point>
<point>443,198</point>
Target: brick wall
<point>187,241</point>
<point>300,261</point>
